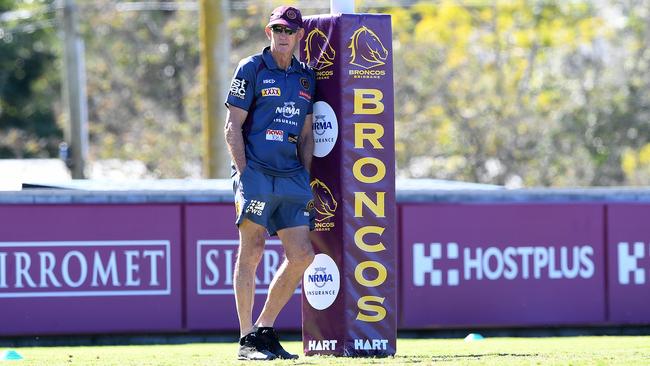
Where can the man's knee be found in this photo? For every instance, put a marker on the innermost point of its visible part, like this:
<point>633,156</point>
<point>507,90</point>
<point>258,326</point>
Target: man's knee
<point>302,257</point>
<point>251,243</point>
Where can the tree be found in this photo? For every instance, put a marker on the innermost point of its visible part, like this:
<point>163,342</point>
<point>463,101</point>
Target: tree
<point>29,81</point>
<point>547,93</point>
<point>516,92</point>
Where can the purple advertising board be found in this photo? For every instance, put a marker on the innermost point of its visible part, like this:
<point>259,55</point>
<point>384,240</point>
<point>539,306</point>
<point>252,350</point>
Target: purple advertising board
<point>502,265</point>
<point>211,239</point>
<point>628,249</point>
<point>349,306</point>
<point>68,269</point>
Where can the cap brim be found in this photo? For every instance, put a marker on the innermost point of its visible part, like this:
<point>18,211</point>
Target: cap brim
<point>282,22</point>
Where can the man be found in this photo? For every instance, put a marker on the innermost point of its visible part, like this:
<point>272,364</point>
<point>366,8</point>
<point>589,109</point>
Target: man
<point>269,136</point>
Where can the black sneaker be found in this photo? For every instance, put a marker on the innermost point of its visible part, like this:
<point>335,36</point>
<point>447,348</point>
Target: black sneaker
<point>251,347</point>
<point>272,342</point>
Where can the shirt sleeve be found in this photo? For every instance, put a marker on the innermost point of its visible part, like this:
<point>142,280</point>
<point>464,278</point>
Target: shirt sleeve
<point>242,86</point>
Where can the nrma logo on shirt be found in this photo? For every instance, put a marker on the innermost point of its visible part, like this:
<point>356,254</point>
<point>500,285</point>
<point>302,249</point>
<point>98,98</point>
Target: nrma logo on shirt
<point>288,110</point>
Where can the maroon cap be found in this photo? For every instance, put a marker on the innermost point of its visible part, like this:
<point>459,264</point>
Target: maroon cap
<point>286,15</point>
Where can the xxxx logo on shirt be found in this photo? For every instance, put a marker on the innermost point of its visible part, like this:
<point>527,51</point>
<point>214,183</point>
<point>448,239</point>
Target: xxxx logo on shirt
<point>271,92</point>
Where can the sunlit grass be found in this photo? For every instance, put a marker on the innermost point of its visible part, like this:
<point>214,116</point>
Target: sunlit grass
<point>628,350</point>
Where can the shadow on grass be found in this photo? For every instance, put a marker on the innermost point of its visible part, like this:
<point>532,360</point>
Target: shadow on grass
<point>409,359</point>
<point>479,356</point>
<point>459,358</point>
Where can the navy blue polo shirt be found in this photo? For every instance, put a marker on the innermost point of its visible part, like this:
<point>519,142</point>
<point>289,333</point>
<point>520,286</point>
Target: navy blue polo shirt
<point>277,102</point>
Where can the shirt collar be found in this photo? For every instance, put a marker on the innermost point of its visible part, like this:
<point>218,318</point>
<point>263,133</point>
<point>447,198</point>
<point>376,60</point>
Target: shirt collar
<point>270,62</point>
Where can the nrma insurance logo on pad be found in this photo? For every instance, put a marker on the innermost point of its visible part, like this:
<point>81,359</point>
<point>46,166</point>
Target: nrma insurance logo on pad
<point>326,129</point>
<point>321,282</point>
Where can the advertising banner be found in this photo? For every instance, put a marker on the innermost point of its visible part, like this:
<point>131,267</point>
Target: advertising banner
<point>502,264</point>
<point>349,307</point>
<point>628,250</point>
<point>89,269</point>
<point>212,241</point>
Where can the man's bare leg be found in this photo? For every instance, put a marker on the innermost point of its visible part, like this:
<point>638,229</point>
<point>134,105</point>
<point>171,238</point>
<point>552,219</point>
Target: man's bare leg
<point>299,255</point>
<point>251,248</point>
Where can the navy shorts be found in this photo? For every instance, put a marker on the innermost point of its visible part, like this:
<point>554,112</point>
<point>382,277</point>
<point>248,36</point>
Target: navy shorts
<point>274,202</point>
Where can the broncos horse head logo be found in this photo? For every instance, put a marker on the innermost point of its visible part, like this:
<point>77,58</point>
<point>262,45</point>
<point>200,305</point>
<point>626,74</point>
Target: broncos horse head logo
<point>324,201</point>
<point>318,52</point>
<point>367,49</point>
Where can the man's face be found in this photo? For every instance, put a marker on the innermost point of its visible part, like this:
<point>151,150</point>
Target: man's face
<point>284,39</point>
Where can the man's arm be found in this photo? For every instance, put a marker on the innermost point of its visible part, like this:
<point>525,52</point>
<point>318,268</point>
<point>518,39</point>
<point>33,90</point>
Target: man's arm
<point>235,118</point>
<point>306,143</point>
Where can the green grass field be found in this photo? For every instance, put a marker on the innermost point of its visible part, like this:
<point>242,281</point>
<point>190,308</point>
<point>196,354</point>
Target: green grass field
<point>610,350</point>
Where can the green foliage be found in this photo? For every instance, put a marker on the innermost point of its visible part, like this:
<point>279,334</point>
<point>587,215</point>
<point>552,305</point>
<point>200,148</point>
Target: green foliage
<point>29,82</point>
<point>143,92</point>
<point>519,92</point>
<point>515,92</point>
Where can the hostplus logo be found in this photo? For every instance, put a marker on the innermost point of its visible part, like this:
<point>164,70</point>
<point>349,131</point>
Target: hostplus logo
<point>629,258</point>
<point>454,264</point>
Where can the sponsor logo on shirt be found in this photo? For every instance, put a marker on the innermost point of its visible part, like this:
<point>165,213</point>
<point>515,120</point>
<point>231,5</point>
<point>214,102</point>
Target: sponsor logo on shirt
<point>304,95</point>
<point>256,207</point>
<point>275,135</point>
<point>292,138</point>
<point>268,81</point>
<point>305,83</point>
<point>271,92</point>
<point>238,88</point>
<point>288,110</point>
